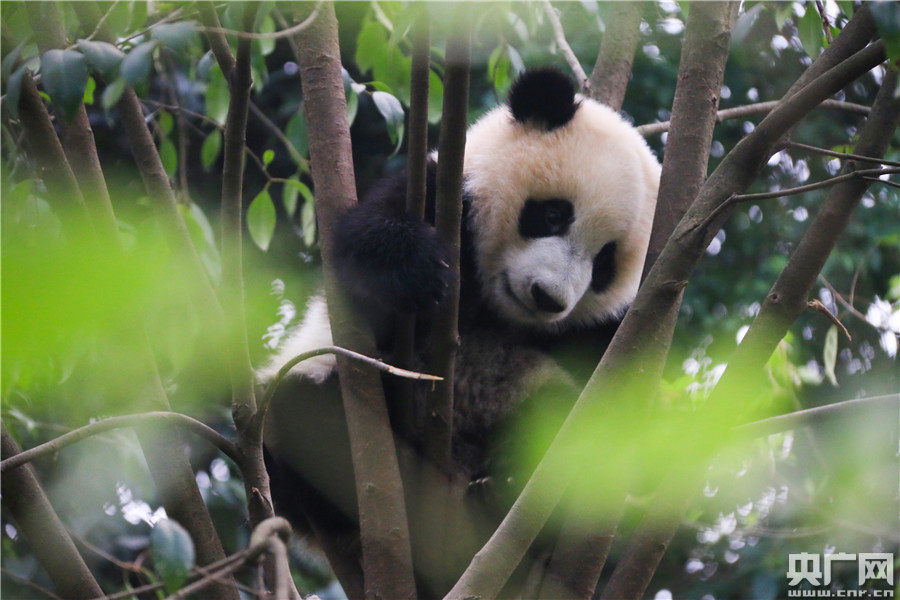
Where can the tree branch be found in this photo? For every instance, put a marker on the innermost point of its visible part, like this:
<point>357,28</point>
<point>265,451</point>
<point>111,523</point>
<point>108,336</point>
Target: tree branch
<point>813,416</point>
<point>40,525</point>
<point>384,532</point>
<point>553,16</point>
<point>373,362</point>
<point>100,427</point>
<point>703,57</point>
<point>760,108</point>
<point>613,67</point>
<point>843,155</point>
<point>444,338</point>
<point>848,175</point>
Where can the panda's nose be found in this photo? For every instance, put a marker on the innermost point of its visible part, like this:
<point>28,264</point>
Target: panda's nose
<point>545,301</point>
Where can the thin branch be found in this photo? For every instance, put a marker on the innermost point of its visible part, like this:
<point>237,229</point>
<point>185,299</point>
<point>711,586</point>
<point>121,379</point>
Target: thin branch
<point>812,416</point>
<point>443,339</point>
<point>553,15</point>
<point>373,362</point>
<point>99,427</point>
<point>842,155</point>
<point>27,582</point>
<point>862,174</point>
<point>217,42</point>
<point>279,134</point>
<point>819,307</point>
<point>760,108</point>
<point>826,26</point>
<point>275,35</point>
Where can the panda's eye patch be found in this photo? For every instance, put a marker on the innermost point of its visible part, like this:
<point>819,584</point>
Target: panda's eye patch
<point>545,218</point>
<point>604,268</point>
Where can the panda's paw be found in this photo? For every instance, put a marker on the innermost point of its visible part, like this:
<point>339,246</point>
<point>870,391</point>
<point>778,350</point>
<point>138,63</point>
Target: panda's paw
<point>389,258</point>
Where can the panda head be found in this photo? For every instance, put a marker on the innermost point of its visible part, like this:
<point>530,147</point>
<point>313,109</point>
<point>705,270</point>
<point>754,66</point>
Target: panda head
<point>562,193</point>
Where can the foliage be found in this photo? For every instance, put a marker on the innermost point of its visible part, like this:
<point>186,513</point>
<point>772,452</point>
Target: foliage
<point>65,315</point>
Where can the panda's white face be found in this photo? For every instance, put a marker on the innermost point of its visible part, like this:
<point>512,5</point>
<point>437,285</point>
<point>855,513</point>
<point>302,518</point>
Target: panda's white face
<point>561,219</point>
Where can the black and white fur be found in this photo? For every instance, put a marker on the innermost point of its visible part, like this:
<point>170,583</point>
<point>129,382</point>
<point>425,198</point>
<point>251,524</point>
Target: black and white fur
<point>559,196</point>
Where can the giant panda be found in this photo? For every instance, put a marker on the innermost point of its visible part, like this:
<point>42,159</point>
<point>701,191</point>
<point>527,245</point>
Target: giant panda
<point>558,200</point>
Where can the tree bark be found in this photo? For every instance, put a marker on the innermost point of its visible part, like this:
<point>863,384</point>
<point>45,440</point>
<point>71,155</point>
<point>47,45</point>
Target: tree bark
<point>444,338</point>
<point>700,75</point>
<point>611,73</point>
<point>47,536</point>
<point>387,558</point>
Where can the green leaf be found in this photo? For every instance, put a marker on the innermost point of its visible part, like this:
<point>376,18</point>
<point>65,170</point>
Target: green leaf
<point>169,156</point>
<point>166,122</point>
<point>64,74</point>
<point>887,20</point>
<point>173,553</point>
<point>308,220</point>
<point>14,91</point>
<point>352,103</point>
<point>296,132</point>
<point>292,187</point>
<point>211,147</point>
<point>267,157</point>
<point>104,58</point>
<point>9,61</point>
<point>135,67</point>
<point>112,93</point>
<point>261,219</point>
<point>809,29</point>
<point>217,95</point>
<point>392,111</point>
<point>178,36</point>
<point>89,91</point>
<point>266,46</point>
<point>435,97</point>
<point>829,354</point>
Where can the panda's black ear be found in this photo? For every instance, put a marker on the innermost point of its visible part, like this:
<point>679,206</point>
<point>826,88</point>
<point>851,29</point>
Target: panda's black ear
<point>544,97</point>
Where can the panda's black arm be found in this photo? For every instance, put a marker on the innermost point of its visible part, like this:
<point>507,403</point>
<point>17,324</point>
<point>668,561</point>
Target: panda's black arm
<point>387,257</point>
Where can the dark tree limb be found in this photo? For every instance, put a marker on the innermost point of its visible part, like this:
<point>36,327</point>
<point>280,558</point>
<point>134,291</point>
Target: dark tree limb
<point>47,536</point>
<point>613,67</point>
<point>444,338</point>
<point>416,192</point>
<point>700,75</point>
<point>384,533</point>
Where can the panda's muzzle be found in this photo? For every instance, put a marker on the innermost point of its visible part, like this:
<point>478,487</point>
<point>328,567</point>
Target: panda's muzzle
<point>544,301</point>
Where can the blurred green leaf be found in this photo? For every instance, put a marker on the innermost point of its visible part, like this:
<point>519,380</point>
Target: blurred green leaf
<point>179,36</point>
<point>64,75</point>
<point>829,354</point>
<point>89,91</point>
<point>296,132</point>
<point>261,219</point>
<point>135,67</point>
<point>217,95</point>
<point>14,91</point>
<point>173,553</point>
<point>809,29</point>
<point>112,93</point>
<point>104,58</point>
<point>169,156</point>
<point>209,152</point>
<point>392,111</point>
<point>308,218</point>
<point>887,21</point>
<point>166,122</point>
<point>267,157</point>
